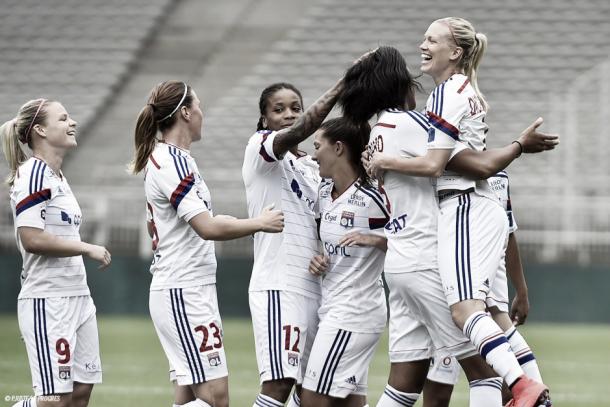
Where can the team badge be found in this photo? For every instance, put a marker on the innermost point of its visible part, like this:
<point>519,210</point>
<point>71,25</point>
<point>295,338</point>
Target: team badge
<point>214,359</point>
<point>64,372</point>
<point>293,359</point>
<point>347,219</point>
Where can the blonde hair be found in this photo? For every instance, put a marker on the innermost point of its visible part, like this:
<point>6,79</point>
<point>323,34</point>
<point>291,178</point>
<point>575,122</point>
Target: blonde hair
<point>18,131</point>
<point>159,114</point>
<point>474,45</point>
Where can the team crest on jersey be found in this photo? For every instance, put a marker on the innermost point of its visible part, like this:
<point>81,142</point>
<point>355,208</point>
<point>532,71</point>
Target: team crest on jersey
<point>65,372</point>
<point>347,219</point>
<point>293,359</point>
<point>214,359</point>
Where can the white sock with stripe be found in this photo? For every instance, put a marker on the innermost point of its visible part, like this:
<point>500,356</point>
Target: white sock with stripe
<point>196,403</point>
<point>524,354</point>
<point>395,398</point>
<point>294,400</point>
<point>486,392</point>
<point>491,343</point>
<point>31,402</point>
<point>266,401</point>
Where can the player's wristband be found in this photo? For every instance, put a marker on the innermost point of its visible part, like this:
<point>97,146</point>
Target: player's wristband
<point>520,147</point>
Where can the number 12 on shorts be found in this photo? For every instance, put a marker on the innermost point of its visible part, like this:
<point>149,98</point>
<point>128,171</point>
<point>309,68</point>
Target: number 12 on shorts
<point>216,334</point>
<point>288,329</point>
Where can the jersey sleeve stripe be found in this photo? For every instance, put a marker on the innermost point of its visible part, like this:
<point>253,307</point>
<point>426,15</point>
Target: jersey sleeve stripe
<point>461,89</point>
<point>264,152</point>
<point>378,223</point>
<point>185,186</point>
<point>32,175</point>
<point>155,163</point>
<point>389,126</point>
<point>32,200</point>
<point>376,197</point>
<point>419,121</point>
<point>178,167</point>
<point>444,126</point>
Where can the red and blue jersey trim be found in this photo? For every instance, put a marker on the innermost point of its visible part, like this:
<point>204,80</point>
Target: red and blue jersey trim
<point>185,186</point>
<point>264,152</point>
<point>33,200</point>
<point>443,125</point>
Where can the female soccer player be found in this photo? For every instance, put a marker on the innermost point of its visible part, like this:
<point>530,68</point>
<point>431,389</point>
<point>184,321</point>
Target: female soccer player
<point>55,311</point>
<point>284,296</point>
<point>469,211</point>
<point>183,303</point>
<point>353,311</point>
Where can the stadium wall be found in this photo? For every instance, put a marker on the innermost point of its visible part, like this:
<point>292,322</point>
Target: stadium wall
<point>558,292</point>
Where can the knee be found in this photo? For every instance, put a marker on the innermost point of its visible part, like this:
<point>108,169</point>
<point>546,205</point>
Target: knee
<point>221,400</point>
<point>278,389</point>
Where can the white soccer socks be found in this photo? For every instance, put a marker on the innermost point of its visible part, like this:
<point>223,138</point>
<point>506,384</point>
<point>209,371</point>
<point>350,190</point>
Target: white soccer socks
<point>524,355</point>
<point>31,402</point>
<point>266,401</point>
<point>491,343</point>
<point>486,392</point>
<point>394,398</point>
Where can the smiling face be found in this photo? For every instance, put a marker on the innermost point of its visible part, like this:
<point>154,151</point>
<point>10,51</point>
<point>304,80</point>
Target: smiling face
<point>439,52</point>
<point>283,108</point>
<point>59,129</point>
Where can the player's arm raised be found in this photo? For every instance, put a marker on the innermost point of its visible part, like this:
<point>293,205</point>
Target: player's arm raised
<point>310,120</point>
<point>484,164</point>
<point>227,228</point>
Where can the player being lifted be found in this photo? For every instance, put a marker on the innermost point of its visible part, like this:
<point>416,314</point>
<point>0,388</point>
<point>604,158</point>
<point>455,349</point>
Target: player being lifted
<point>183,303</point>
<point>444,372</point>
<point>55,311</point>
<point>469,211</point>
<point>284,297</point>
<point>352,215</point>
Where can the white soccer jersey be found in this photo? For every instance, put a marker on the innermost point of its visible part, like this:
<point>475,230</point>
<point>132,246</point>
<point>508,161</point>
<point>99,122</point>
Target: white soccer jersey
<point>352,289</point>
<point>456,114</point>
<point>281,260</point>
<point>412,229</point>
<point>42,199</point>
<point>500,184</point>
<point>175,193</point>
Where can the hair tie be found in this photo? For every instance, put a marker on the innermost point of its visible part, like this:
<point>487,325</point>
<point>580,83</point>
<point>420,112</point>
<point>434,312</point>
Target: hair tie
<point>27,133</point>
<point>178,105</point>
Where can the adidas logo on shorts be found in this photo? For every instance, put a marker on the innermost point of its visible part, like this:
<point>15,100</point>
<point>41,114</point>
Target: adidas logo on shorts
<point>351,380</point>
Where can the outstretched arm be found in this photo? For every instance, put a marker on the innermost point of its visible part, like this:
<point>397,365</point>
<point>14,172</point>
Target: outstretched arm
<point>227,227</point>
<point>43,243</point>
<point>484,164</point>
<point>430,165</point>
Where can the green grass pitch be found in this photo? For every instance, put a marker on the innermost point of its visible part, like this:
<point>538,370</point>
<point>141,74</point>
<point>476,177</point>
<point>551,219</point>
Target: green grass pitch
<point>575,362</point>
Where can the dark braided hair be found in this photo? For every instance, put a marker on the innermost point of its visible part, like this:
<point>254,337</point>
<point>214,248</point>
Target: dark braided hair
<point>380,81</point>
<point>267,93</point>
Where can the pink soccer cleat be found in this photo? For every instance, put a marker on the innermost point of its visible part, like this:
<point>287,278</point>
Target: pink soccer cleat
<point>529,393</point>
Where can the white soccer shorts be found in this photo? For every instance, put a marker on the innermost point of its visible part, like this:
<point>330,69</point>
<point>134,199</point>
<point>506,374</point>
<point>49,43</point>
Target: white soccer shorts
<point>445,370</point>
<point>498,292</point>
<point>188,324</point>
<point>472,239</point>
<point>420,320</point>
<point>284,324</point>
<point>61,339</point>
<point>339,362</point>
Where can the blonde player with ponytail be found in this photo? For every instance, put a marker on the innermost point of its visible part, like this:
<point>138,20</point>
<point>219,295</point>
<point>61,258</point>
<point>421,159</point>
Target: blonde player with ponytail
<point>472,227</point>
<point>183,303</point>
<point>55,311</point>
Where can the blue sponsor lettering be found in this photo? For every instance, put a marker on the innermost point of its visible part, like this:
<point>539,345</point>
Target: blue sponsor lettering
<point>396,224</point>
<point>336,250</point>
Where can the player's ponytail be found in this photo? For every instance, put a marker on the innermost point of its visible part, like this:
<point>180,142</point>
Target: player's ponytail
<point>474,45</point>
<point>20,131</point>
<point>158,115</point>
<point>355,136</point>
